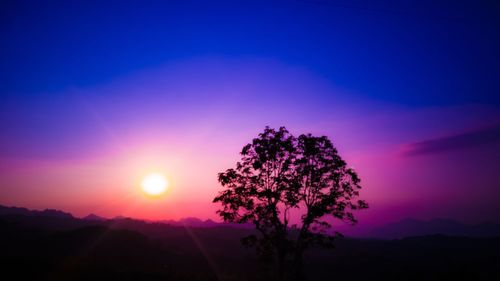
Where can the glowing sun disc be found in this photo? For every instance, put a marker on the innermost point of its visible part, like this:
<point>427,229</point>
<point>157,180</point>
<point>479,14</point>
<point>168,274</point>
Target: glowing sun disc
<point>154,184</point>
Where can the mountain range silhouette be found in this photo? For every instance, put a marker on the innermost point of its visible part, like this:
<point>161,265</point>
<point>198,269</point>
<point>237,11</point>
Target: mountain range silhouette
<point>54,245</point>
<point>397,230</point>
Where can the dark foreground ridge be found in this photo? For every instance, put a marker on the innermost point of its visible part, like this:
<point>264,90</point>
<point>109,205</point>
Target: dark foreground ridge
<point>55,246</point>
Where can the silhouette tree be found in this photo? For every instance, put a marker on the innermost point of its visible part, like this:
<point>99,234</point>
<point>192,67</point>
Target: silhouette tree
<point>278,173</point>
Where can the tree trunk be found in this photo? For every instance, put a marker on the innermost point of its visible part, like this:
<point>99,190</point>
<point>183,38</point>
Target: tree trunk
<point>298,265</point>
<point>281,266</point>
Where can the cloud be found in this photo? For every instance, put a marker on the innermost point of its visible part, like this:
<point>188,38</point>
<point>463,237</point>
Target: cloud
<point>484,136</point>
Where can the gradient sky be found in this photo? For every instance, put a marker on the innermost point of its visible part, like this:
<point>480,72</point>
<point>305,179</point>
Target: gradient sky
<point>96,95</point>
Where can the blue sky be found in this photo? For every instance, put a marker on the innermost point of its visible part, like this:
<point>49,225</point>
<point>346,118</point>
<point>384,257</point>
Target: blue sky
<point>418,53</point>
<point>93,93</point>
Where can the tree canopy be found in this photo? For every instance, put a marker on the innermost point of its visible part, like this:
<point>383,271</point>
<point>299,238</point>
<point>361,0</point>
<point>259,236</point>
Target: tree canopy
<point>279,173</point>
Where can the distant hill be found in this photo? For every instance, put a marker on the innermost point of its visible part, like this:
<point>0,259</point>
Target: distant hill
<point>401,229</point>
<point>59,220</point>
<point>55,248</point>
<point>25,212</point>
<point>413,227</point>
<point>94,217</point>
<point>196,222</point>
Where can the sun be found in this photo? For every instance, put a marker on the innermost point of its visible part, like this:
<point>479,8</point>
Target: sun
<point>154,184</point>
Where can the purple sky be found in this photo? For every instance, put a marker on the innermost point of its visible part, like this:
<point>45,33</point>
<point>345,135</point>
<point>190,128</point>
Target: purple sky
<point>87,109</point>
<point>85,148</point>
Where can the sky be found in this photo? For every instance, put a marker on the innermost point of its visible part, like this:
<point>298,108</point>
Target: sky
<point>97,94</point>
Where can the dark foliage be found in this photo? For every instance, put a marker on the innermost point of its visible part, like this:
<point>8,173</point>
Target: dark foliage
<point>279,173</point>
<point>51,248</point>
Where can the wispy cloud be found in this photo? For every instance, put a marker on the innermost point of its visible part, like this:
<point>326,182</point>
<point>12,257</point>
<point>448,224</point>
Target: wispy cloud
<point>479,137</point>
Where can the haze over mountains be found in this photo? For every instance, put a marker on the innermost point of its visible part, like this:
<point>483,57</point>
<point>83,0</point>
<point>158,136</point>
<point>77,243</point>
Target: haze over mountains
<point>54,245</point>
<point>412,227</point>
<point>396,230</point>
<point>4,210</point>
